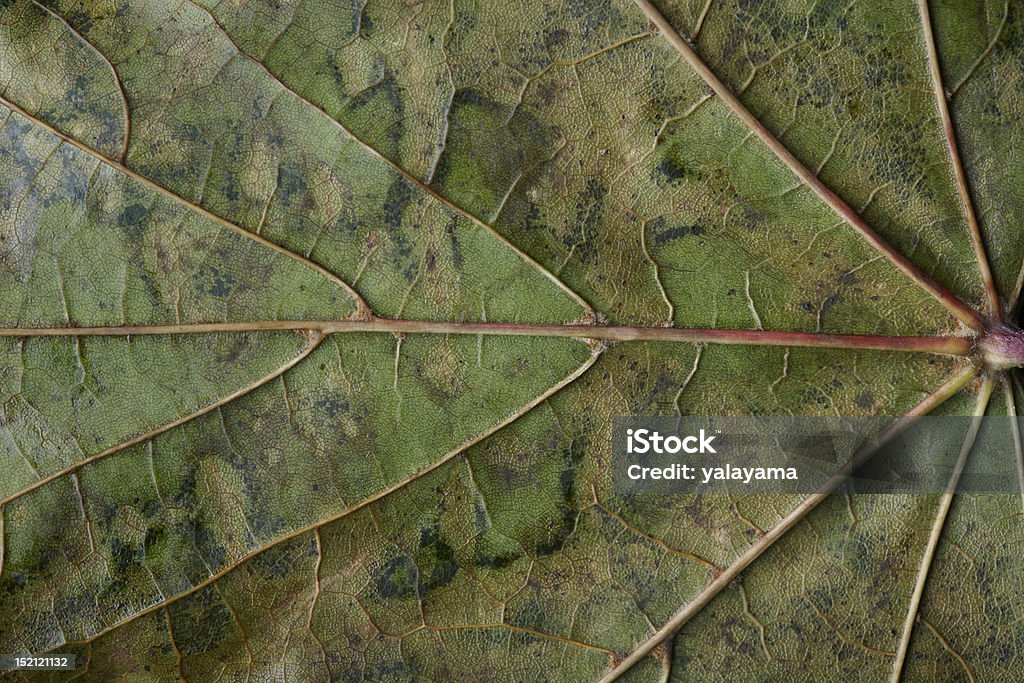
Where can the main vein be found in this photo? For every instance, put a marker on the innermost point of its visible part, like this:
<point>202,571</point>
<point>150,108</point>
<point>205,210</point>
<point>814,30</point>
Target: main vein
<point>960,309</point>
<point>951,345</point>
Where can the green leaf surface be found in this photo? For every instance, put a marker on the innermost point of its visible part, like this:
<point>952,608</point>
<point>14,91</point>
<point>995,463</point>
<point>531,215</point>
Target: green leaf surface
<point>314,316</point>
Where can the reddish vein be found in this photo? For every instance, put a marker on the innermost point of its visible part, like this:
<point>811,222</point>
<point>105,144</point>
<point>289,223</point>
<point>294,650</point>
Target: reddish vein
<point>957,346</point>
<point>841,208</point>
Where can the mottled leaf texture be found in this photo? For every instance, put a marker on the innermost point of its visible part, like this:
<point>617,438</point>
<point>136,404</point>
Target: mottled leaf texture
<point>314,315</point>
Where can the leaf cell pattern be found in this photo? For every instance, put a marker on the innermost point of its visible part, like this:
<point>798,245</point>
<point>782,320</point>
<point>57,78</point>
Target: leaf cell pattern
<point>314,316</point>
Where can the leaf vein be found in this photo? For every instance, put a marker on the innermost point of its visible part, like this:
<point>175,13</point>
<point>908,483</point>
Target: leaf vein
<point>73,469</point>
<point>362,308</point>
<point>369,500</point>
<point>454,208</point>
<point>939,292</point>
<point>723,579</point>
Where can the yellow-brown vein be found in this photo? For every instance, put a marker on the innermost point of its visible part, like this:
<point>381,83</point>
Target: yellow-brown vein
<point>110,65</point>
<point>790,520</point>
<point>311,345</point>
<point>984,53</point>
<point>960,176</point>
<point>451,455</point>
<point>939,292</point>
<point>589,313</point>
<point>938,524</point>
<point>362,308</point>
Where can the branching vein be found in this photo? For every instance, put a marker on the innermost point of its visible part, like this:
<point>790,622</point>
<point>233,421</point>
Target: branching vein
<point>72,469</point>
<point>937,526</point>
<point>362,308</point>
<point>963,189</point>
<point>414,180</point>
<point>699,601</point>
<point>961,310</point>
<point>216,576</point>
